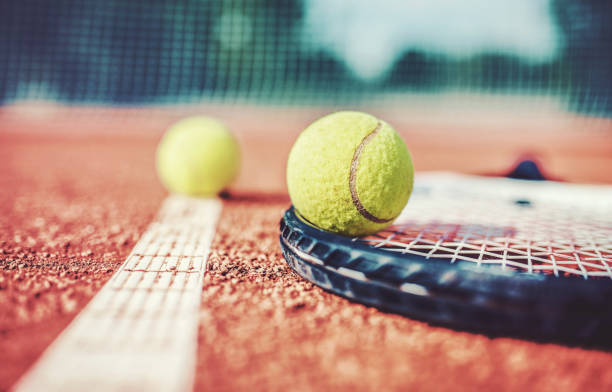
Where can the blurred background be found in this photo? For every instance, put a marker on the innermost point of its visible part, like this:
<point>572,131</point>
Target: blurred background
<point>304,52</point>
<point>465,70</point>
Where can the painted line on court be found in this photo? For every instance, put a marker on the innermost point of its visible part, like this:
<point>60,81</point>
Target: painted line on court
<point>140,331</point>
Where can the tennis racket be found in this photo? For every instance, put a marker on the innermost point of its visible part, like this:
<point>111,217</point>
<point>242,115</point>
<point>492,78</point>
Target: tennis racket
<point>497,255</point>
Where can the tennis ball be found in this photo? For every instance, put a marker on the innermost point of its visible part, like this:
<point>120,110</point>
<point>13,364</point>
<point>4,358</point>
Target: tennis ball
<point>349,173</point>
<point>198,156</point>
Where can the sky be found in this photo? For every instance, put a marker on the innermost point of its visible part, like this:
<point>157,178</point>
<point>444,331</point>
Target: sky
<point>369,39</point>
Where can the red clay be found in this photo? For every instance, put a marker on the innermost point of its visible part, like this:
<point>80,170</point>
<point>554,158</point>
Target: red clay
<point>72,207</point>
<point>70,212</point>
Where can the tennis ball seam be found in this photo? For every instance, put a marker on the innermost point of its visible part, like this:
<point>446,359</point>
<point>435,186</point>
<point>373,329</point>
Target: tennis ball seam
<point>353,177</point>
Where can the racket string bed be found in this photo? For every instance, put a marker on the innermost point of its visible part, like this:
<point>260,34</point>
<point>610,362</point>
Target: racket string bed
<point>542,238</point>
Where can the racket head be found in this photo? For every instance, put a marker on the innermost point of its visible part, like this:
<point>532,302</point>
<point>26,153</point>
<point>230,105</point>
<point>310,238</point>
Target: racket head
<point>490,297</point>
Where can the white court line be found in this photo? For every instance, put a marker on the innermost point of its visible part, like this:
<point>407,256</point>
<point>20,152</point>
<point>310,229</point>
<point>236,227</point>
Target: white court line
<point>139,333</point>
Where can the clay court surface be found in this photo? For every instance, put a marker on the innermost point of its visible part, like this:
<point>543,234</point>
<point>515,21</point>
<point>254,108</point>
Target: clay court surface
<point>78,188</point>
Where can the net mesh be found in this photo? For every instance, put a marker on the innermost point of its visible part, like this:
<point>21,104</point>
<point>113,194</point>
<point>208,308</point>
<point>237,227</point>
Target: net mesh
<point>305,52</point>
<point>538,228</point>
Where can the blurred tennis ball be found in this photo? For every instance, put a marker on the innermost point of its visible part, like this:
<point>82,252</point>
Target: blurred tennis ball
<point>350,173</point>
<point>198,156</point>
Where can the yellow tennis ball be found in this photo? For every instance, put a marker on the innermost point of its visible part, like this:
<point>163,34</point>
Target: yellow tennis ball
<point>350,173</point>
<point>198,156</point>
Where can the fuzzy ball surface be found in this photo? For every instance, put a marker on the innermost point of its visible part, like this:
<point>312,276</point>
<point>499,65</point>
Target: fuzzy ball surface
<point>350,173</point>
<point>198,156</point>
